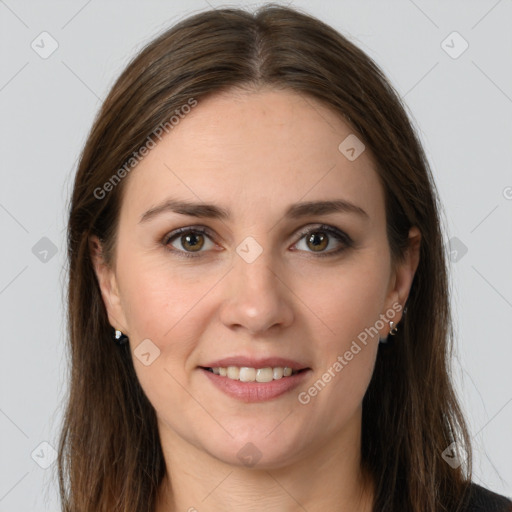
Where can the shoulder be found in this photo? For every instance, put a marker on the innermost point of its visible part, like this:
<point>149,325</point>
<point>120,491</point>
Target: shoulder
<point>480,499</point>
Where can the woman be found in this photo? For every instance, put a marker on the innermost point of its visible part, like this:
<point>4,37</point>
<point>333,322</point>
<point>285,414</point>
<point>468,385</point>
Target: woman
<point>255,224</point>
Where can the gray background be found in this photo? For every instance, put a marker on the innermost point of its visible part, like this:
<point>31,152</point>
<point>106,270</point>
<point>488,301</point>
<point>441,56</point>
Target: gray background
<point>462,107</point>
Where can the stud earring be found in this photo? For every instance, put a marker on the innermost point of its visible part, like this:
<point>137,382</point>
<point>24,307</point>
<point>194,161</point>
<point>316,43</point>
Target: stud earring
<point>119,337</point>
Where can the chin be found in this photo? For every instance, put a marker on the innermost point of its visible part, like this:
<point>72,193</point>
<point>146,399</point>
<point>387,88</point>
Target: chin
<point>256,451</point>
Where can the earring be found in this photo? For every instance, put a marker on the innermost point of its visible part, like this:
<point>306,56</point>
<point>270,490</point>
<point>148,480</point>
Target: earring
<point>119,337</point>
<point>393,329</point>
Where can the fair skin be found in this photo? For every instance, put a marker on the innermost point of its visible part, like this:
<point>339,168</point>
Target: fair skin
<point>256,154</point>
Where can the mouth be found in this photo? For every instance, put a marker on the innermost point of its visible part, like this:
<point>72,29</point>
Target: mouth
<point>249,384</point>
<point>248,374</point>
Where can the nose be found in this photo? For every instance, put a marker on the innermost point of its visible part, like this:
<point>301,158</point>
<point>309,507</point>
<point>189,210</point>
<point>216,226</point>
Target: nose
<point>256,296</point>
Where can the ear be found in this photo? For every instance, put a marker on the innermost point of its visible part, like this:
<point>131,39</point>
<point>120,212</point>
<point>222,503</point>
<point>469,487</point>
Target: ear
<point>403,275</point>
<point>108,285</point>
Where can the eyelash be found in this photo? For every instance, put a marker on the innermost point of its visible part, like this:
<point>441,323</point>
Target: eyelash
<point>340,236</point>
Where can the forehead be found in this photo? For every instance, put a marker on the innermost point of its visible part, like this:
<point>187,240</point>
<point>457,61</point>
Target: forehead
<point>252,150</point>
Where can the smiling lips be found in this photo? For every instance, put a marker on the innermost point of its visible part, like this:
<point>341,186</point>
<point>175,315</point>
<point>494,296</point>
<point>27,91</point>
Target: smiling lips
<point>255,380</point>
<point>251,362</point>
<point>247,369</point>
<point>248,374</point>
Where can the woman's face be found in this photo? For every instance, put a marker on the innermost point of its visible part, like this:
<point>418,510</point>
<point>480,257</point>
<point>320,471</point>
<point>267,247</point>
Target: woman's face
<point>266,281</point>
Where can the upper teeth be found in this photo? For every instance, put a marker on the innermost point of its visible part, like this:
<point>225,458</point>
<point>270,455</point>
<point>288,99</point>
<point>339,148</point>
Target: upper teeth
<point>246,374</point>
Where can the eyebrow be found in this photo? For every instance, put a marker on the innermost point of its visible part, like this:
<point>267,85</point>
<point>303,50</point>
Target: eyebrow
<point>211,211</point>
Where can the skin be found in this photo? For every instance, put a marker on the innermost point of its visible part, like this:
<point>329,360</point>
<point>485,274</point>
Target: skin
<point>256,153</point>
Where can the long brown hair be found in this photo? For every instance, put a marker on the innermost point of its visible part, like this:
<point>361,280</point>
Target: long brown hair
<point>109,455</point>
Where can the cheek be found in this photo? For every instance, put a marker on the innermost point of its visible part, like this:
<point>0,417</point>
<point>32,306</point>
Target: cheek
<point>349,299</point>
<point>158,296</point>
<point>349,302</point>
<point>347,357</point>
<point>164,307</point>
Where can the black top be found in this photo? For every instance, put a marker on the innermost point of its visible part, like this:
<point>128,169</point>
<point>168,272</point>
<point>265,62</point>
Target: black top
<point>484,500</point>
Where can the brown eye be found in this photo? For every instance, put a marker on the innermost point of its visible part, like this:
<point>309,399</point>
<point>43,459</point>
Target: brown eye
<point>187,241</point>
<point>317,241</point>
<point>193,242</point>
